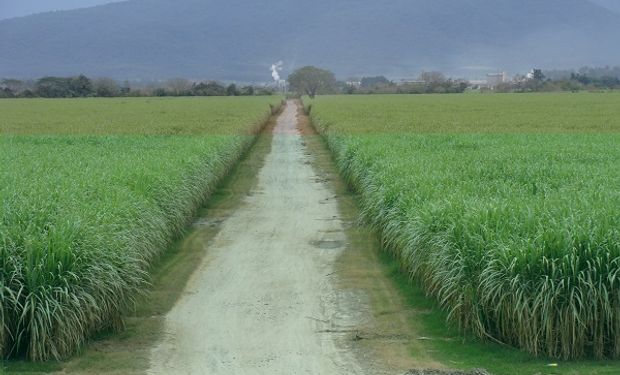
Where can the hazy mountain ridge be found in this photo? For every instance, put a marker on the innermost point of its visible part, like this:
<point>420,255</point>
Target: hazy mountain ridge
<point>239,39</point>
<point>22,8</point>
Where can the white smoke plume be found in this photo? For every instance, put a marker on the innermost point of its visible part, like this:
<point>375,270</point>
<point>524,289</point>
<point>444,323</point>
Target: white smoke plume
<point>275,70</point>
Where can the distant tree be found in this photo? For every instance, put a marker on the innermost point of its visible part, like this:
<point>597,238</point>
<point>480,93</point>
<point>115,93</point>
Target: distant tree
<point>231,90</point>
<point>370,82</point>
<point>247,91</point>
<point>263,91</point>
<point>311,81</point>
<point>52,87</point>
<point>106,87</point>
<point>59,87</point>
<point>570,85</point>
<point>609,82</point>
<point>534,82</point>
<point>126,88</point>
<point>81,86</point>
<point>504,87</point>
<point>432,78</point>
<point>178,86</point>
<point>160,91</point>
<point>460,86</point>
<point>210,88</point>
<point>537,75</point>
<point>14,86</point>
<point>6,93</point>
<point>348,89</point>
<point>27,94</point>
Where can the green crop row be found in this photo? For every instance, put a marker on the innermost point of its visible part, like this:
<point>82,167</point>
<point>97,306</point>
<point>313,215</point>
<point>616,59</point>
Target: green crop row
<point>83,216</point>
<point>505,208</point>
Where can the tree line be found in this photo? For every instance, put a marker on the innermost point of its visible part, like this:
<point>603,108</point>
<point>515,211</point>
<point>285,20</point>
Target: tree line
<point>313,81</point>
<point>424,83</point>
<point>586,79</point>
<point>82,87</point>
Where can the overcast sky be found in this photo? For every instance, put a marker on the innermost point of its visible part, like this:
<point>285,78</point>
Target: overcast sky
<point>17,8</point>
<point>611,4</point>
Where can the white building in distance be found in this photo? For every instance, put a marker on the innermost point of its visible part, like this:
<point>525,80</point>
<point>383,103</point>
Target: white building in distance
<point>495,79</point>
<point>492,81</point>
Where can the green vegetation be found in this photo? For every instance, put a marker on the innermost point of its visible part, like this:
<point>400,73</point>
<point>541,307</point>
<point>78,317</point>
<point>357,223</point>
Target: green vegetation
<point>92,191</point>
<point>456,350</point>
<point>132,116</point>
<point>84,87</point>
<point>504,208</point>
<point>311,81</point>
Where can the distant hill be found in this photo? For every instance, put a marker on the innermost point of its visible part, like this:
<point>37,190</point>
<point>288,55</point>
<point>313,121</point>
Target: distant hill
<point>21,8</point>
<point>240,39</point>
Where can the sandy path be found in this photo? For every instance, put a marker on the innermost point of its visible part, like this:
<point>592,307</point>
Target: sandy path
<point>263,301</point>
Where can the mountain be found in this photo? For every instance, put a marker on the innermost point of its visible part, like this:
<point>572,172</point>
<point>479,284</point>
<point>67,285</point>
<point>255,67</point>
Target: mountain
<point>11,9</point>
<point>240,39</point>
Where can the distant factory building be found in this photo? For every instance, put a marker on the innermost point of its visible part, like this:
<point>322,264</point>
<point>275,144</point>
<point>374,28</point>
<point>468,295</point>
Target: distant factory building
<point>410,81</point>
<point>495,79</point>
<point>492,80</point>
<point>354,82</point>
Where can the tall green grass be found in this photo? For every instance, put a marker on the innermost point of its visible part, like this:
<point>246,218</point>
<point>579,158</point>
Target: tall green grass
<point>513,226</point>
<point>83,216</point>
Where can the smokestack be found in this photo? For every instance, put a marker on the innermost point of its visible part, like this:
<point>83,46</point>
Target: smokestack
<point>275,71</point>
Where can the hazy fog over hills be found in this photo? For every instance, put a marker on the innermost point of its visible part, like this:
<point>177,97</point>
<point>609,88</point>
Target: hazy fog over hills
<point>240,39</point>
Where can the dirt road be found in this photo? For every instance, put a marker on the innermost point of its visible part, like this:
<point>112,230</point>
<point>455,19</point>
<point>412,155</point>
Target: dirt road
<point>263,302</point>
<point>277,276</point>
